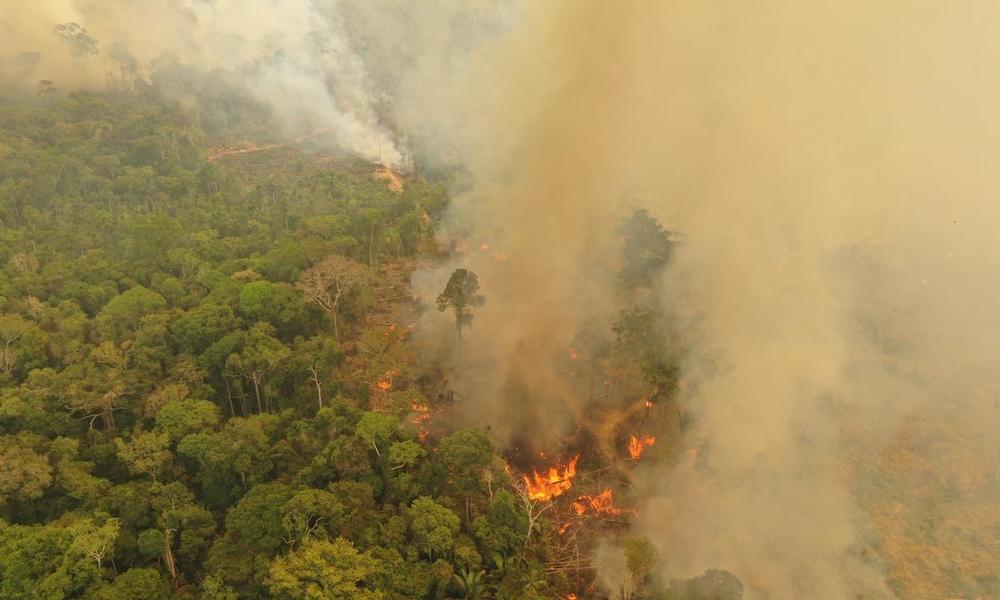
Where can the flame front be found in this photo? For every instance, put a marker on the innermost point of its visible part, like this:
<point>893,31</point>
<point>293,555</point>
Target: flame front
<point>599,504</point>
<point>637,445</point>
<point>551,483</point>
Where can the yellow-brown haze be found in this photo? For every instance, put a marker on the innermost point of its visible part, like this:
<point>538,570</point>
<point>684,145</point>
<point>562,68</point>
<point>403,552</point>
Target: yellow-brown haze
<point>832,168</point>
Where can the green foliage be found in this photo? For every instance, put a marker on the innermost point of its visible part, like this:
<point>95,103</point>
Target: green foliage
<point>311,514</point>
<point>134,584</point>
<point>177,419</point>
<point>150,543</point>
<point>405,453</point>
<point>641,559</point>
<point>123,315</point>
<point>462,458</point>
<point>323,570</point>
<point>24,473</point>
<point>146,453</point>
<point>461,295</point>
<point>433,527</point>
<point>22,347</point>
<point>376,429</point>
<point>57,560</point>
<point>502,529</point>
<point>469,585</point>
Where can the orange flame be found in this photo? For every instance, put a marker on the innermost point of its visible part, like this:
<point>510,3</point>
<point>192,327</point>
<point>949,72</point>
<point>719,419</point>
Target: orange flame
<point>564,527</point>
<point>648,404</point>
<point>384,384</point>
<point>571,597</point>
<point>552,483</point>
<point>423,414</point>
<point>499,256</point>
<point>636,445</point>
<point>574,354</point>
<point>600,504</point>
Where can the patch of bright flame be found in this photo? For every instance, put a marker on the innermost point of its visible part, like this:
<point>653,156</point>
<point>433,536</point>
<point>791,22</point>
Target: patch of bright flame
<point>384,384</point>
<point>599,504</point>
<point>423,414</point>
<point>551,483</point>
<point>637,445</point>
<point>648,404</point>
<point>574,354</point>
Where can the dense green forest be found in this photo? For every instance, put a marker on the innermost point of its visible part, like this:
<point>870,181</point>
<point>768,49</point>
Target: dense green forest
<point>206,389</point>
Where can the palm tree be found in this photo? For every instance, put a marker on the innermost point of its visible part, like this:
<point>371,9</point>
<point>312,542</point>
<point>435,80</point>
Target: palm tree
<point>469,584</point>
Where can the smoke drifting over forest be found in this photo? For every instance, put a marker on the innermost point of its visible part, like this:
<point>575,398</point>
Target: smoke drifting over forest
<point>335,66</point>
<point>828,164</point>
<point>828,167</point>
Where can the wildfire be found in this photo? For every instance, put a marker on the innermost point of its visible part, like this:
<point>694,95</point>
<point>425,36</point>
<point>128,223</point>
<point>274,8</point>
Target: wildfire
<point>423,414</point>
<point>500,256</point>
<point>551,483</point>
<point>648,404</point>
<point>637,445</point>
<point>599,504</point>
<point>573,354</point>
<point>384,384</point>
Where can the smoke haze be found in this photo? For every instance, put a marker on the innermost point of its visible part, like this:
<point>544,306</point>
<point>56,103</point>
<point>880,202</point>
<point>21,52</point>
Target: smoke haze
<point>829,167</point>
<point>829,164</point>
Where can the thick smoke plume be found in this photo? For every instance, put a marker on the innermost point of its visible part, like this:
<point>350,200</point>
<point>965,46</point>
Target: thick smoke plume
<point>829,166</point>
<point>293,57</point>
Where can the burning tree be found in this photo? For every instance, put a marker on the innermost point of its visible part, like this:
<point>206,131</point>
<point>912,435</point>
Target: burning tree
<point>638,444</point>
<point>461,294</point>
<point>552,482</point>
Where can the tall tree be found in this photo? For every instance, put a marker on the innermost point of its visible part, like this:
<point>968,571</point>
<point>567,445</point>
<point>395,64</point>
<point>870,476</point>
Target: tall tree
<point>647,249</point>
<point>461,294</point>
<point>328,282</point>
<point>322,570</point>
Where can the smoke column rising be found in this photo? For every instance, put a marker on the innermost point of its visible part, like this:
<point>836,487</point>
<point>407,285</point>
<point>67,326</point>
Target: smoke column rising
<point>829,165</point>
<point>292,56</point>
